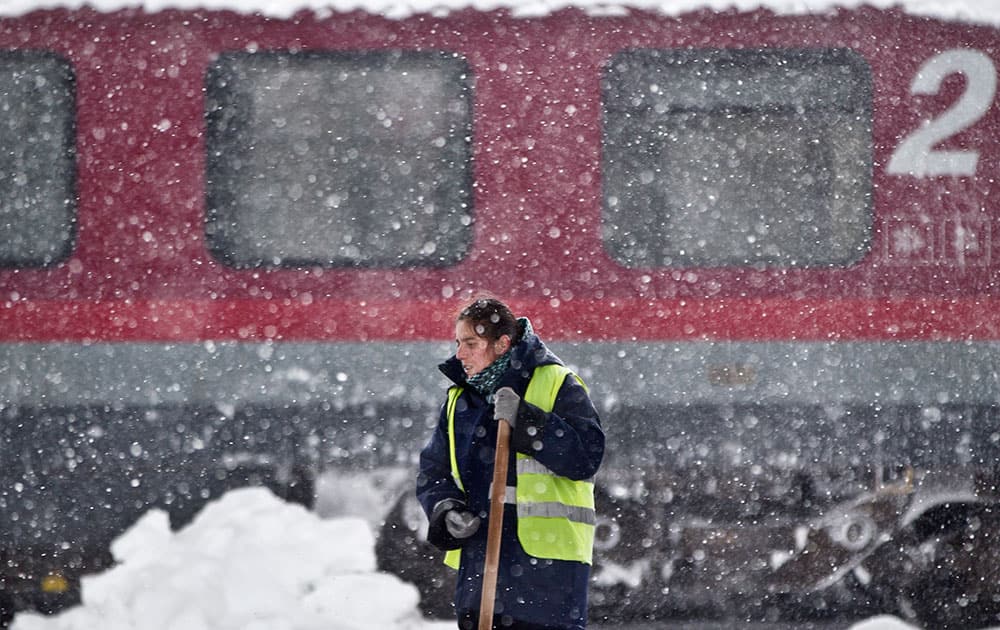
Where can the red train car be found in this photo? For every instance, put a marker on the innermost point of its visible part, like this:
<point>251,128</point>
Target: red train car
<point>232,245</point>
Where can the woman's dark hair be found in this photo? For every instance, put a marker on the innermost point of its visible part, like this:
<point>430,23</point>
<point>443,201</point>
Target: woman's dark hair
<point>491,319</point>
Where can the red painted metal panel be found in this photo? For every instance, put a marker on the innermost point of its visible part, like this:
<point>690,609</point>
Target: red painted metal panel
<point>141,269</point>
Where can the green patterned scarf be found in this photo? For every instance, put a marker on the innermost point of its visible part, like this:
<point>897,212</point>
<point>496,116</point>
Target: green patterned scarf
<point>486,382</point>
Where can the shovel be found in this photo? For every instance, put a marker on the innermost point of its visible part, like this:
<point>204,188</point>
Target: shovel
<point>498,490</point>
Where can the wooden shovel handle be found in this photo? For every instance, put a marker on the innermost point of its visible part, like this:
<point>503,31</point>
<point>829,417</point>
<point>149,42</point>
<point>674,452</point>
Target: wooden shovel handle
<point>498,493</point>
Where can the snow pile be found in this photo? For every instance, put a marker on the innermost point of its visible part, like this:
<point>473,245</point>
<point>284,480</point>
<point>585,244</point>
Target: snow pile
<point>248,561</point>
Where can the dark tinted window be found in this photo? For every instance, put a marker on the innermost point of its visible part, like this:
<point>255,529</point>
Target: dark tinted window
<point>339,159</point>
<point>37,163</point>
<point>737,157</point>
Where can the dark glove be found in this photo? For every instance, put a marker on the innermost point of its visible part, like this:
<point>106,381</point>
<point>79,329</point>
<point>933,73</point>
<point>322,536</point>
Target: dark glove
<point>505,405</point>
<point>439,532</point>
<point>461,523</point>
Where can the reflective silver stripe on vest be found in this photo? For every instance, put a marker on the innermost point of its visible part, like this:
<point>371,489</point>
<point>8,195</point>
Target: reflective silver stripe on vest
<point>509,494</point>
<point>531,466</point>
<point>552,510</point>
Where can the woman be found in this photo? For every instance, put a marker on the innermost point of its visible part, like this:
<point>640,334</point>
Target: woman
<point>503,372</point>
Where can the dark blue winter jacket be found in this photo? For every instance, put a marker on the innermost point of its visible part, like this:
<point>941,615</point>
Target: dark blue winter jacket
<point>551,593</point>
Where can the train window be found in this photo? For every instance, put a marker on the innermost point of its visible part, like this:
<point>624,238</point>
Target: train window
<point>37,158</point>
<point>339,159</point>
<point>716,158</point>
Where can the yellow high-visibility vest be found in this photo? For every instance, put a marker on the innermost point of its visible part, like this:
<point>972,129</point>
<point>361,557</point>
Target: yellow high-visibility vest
<point>555,515</point>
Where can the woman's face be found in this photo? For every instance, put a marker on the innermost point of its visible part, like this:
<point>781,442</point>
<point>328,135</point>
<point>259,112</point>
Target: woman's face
<point>475,352</point>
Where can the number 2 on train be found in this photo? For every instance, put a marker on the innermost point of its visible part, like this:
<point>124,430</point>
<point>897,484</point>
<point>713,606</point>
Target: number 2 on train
<point>916,155</point>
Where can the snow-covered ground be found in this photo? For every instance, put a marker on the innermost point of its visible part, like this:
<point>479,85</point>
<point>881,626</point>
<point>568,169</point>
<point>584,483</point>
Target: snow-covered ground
<point>250,561</point>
